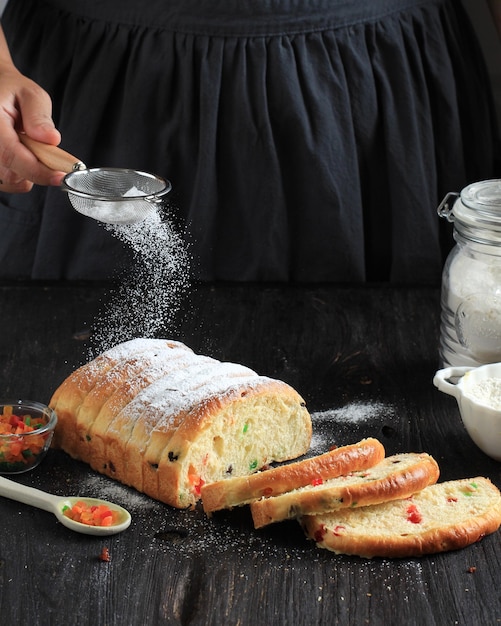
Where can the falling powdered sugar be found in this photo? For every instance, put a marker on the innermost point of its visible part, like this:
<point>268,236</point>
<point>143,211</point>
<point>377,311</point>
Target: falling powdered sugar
<point>149,296</point>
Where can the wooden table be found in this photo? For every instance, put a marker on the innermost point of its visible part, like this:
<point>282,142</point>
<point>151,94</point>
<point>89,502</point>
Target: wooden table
<point>363,358</point>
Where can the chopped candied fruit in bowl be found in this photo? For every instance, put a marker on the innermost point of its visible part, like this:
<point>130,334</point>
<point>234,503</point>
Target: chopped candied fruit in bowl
<point>26,430</point>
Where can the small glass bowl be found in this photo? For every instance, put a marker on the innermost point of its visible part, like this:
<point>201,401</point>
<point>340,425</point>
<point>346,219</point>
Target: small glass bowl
<point>26,431</point>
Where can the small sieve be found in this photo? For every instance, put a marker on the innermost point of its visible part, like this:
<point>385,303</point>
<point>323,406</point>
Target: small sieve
<point>110,195</point>
<point>113,195</point>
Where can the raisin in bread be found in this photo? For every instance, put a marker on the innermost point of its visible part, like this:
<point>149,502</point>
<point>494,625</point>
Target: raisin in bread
<point>240,490</point>
<point>396,476</point>
<point>441,517</point>
<point>154,415</point>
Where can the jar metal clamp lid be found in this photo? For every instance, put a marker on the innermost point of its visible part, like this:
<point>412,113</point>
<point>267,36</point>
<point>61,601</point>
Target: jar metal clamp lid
<point>478,206</point>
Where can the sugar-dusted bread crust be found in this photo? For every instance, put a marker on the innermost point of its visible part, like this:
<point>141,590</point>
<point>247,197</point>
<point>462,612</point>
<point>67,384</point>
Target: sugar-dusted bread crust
<point>240,490</point>
<point>441,517</point>
<point>109,368</point>
<point>397,476</point>
<point>154,415</point>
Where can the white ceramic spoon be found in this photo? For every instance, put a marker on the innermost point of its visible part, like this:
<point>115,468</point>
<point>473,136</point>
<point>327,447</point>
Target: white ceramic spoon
<point>56,504</point>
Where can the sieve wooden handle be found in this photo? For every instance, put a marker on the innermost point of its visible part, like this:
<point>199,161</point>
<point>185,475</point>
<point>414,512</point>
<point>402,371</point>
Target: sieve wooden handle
<point>52,156</point>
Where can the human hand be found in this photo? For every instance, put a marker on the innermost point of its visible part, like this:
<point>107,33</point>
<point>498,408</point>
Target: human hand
<point>24,106</point>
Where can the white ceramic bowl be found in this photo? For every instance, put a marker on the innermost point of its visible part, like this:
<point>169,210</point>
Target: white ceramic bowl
<point>478,394</point>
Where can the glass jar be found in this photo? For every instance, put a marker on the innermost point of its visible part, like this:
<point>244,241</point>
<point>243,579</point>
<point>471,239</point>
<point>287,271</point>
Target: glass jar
<point>470,323</point>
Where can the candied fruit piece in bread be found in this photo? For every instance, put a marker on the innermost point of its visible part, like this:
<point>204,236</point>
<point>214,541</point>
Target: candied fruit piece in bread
<point>156,416</point>
<point>441,517</point>
<point>396,476</point>
<point>240,490</point>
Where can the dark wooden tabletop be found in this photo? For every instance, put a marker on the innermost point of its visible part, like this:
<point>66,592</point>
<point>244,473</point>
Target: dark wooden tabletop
<point>363,358</point>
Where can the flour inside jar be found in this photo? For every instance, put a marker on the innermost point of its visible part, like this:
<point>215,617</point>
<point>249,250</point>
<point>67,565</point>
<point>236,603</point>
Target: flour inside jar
<point>471,310</point>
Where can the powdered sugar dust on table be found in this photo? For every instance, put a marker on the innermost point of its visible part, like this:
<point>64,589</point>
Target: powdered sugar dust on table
<point>363,359</point>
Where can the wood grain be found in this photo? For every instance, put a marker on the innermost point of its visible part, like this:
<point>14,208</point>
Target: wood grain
<point>364,360</point>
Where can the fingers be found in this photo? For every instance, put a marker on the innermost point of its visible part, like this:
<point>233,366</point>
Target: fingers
<point>22,186</point>
<point>24,106</point>
<point>36,108</point>
<point>19,167</point>
<point>12,183</point>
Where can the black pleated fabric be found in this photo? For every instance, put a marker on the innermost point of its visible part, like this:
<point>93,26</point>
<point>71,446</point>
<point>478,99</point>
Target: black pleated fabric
<point>306,140</point>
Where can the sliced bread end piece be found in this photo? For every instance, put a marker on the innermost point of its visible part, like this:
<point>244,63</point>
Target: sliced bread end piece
<point>441,517</point>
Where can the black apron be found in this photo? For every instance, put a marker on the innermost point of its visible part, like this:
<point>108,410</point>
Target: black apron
<point>306,140</point>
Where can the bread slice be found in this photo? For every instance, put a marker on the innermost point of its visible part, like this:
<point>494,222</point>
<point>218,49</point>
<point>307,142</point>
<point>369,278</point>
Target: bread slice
<point>154,415</point>
<point>138,433</point>
<point>397,476</point>
<point>441,517</point>
<point>237,491</point>
<point>237,432</point>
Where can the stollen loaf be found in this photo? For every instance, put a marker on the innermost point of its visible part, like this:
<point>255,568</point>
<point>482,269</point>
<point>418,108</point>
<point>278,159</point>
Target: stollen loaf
<point>240,490</point>
<point>396,476</point>
<point>444,516</point>
<point>154,415</point>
